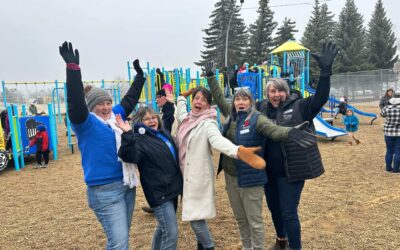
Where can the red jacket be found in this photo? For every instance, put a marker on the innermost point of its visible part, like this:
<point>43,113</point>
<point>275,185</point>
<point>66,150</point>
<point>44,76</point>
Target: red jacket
<point>45,140</point>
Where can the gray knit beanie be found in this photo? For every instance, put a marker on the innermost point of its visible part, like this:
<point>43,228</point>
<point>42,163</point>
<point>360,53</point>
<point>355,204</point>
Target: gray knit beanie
<point>96,96</point>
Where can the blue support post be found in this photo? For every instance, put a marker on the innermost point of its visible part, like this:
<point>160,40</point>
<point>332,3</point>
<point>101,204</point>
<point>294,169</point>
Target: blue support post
<point>308,68</point>
<point>3,85</point>
<point>197,78</point>
<point>67,117</point>
<point>177,82</point>
<point>247,67</point>
<point>217,75</point>
<point>260,87</point>
<point>129,71</point>
<point>284,61</point>
<point>187,75</point>
<point>13,137</point>
<point>302,84</point>
<point>102,83</point>
<point>23,110</point>
<point>58,103</point>
<point>53,132</point>
<point>148,68</point>
<point>18,135</point>
<point>153,88</point>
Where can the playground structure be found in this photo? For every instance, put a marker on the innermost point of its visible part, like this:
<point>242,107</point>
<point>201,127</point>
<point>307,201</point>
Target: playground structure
<point>295,64</point>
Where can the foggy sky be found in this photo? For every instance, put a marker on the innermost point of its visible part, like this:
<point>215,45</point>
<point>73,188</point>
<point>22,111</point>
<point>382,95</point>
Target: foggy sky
<point>108,33</point>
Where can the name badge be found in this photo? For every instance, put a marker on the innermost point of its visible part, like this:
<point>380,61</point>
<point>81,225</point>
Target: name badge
<point>244,131</point>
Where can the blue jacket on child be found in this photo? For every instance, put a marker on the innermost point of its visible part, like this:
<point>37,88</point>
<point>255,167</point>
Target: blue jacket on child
<point>351,123</point>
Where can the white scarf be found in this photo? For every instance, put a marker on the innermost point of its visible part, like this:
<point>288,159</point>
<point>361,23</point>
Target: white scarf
<point>128,169</point>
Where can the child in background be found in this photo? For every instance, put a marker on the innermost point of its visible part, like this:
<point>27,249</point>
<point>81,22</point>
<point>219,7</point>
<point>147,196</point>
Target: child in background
<point>41,140</point>
<point>351,123</point>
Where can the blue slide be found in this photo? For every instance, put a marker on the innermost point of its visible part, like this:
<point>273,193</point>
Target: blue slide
<point>357,111</point>
<point>323,128</point>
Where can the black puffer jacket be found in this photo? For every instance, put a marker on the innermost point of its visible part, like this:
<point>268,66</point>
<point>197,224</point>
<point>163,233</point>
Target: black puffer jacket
<point>160,174</point>
<point>289,159</point>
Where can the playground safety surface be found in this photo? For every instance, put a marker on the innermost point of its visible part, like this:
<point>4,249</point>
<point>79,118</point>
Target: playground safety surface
<point>354,205</point>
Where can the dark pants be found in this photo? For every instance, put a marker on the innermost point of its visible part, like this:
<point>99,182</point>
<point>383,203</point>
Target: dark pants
<point>45,156</point>
<point>392,153</point>
<point>283,199</point>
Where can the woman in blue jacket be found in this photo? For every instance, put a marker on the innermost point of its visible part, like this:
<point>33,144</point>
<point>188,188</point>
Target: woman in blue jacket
<point>110,183</point>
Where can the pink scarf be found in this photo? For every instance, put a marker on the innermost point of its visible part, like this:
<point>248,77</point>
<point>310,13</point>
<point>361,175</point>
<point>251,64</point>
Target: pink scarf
<point>190,122</point>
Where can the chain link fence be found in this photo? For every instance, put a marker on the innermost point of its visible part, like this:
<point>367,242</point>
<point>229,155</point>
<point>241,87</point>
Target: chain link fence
<point>364,85</point>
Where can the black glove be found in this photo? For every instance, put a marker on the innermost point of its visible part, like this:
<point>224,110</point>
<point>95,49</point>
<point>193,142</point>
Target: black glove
<point>302,137</point>
<point>67,53</point>
<point>209,69</point>
<point>137,67</point>
<point>326,58</point>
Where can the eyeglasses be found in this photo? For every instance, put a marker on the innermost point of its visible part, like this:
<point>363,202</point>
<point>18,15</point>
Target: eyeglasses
<point>147,119</point>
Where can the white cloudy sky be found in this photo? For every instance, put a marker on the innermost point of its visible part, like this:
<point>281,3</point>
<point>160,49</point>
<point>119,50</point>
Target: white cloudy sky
<point>109,32</point>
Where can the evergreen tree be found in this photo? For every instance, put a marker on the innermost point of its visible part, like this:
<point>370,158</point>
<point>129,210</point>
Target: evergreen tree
<point>351,40</point>
<point>319,29</point>
<point>215,40</point>
<point>261,40</point>
<point>381,40</point>
<point>285,32</point>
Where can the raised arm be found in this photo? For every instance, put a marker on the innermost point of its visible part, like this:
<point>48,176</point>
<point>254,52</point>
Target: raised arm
<point>77,110</point>
<point>131,98</point>
<point>216,91</point>
<point>325,62</point>
<point>182,105</point>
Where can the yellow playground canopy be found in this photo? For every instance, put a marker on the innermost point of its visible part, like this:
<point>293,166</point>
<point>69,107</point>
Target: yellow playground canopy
<point>289,46</point>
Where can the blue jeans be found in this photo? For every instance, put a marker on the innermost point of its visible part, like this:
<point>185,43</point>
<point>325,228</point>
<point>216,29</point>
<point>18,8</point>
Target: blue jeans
<point>283,199</point>
<point>113,205</point>
<point>166,234</point>
<point>392,153</point>
<point>203,235</point>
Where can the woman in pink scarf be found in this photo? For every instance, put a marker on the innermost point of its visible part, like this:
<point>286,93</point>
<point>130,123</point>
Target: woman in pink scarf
<point>197,134</point>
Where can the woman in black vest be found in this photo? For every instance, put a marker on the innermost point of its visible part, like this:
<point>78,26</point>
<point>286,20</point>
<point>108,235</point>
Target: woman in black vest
<point>289,165</point>
<point>245,185</point>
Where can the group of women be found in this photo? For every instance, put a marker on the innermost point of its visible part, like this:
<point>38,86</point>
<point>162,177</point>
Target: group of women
<point>171,166</point>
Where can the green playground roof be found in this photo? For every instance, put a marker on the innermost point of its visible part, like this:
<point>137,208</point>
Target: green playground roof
<point>289,46</point>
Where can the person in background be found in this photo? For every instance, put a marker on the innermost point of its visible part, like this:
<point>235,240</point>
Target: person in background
<point>111,183</point>
<point>33,109</point>
<point>233,83</point>
<point>351,123</point>
<point>288,164</point>
<point>384,101</point>
<point>391,131</point>
<point>41,140</point>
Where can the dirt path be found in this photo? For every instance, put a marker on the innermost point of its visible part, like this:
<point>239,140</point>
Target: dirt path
<point>354,205</point>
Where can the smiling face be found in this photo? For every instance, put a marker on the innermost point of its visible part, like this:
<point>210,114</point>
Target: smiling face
<point>103,110</point>
<point>276,96</point>
<point>150,120</point>
<point>200,102</point>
